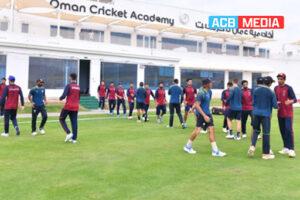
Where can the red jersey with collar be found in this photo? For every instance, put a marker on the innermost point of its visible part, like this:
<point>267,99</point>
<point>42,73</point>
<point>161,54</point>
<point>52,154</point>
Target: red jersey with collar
<point>131,95</point>
<point>160,96</point>
<point>284,93</point>
<point>102,90</point>
<point>247,101</point>
<point>111,93</point>
<point>73,97</point>
<point>225,96</point>
<point>12,93</point>
<point>148,94</point>
<point>120,92</point>
<point>190,93</point>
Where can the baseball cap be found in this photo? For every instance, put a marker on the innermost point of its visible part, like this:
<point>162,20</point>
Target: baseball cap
<point>206,81</point>
<point>260,80</point>
<point>268,80</point>
<point>11,78</point>
<point>281,75</point>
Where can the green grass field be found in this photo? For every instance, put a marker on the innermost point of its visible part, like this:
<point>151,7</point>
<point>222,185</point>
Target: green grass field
<point>120,159</point>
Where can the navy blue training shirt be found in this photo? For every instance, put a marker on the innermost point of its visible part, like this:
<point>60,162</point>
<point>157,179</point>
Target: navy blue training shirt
<point>141,95</point>
<point>235,98</point>
<point>176,94</point>
<point>38,95</point>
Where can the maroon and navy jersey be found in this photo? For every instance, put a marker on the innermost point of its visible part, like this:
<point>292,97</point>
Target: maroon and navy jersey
<point>120,92</point>
<point>131,95</point>
<point>72,93</point>
<point>247,100</point>
<point>284,93</point>
<point>111,93</point>
<point>190,94</point>
<point>160,96</point>
<point>2,87</point>
<point>148,94</point>
<point>11,95</point>
<point>101,90</point>
<point>224,98</point>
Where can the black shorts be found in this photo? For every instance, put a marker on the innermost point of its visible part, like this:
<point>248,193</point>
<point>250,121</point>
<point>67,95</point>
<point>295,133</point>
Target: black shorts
<point>161,109</point>
<point>140,106</point>
<point>234,114</point>
<point>201,123</point>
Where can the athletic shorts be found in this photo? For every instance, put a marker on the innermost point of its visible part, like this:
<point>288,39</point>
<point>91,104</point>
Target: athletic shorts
<point>201,123</point>
<point>161,109</point>
<point>140,106</point>
<point>234,114</point>
<point>188,108</point>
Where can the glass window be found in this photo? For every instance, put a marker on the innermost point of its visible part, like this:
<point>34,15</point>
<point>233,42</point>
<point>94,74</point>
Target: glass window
<point>25,28</point>
<point>171,43</point>
<point>249,51</point>
<point>65,32</point>
<point>120,38</point>
<point>263,53</point>
<point>156,74</point>
<point>91,35</point>
<point>2,66</point>
<point>255,76</point>
<point>55,72</point>
<point>4,26</point>
<point>215,48</point>
<point>236,75</point>
<point>232,50</point>
<point>146,41</point>
<point>119,72</point>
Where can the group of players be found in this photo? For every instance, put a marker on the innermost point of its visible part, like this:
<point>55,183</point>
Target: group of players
<point>238,104</point>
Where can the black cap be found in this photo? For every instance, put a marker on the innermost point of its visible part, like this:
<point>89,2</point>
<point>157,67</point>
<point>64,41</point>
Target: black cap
<point>206,81</point>
<point>260,80</point>
<point>268,80</point>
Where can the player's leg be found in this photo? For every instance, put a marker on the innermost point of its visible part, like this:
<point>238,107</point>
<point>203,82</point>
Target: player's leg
<point>266,126</point>
<point>34,114</point>
<point>146,112</point>
<point>62,119</point>
<point>178,112</point>
<point>229,124</point>
<point>189,145</point>
<point>186,112</point>
<point>118,107</point>
<point>281,123</point>
<point>215,150</point>
<point>6,123</point>
<point>131,107</point>
<point>110,105</point>
<point>172,110</point>
<point>290,136</point>
<point>44,119</point>
<point>139,111</point>
<point>244,121</point>
<point>13,118</point>
<point>238,118</point>
<point>158,113</point>
<point>256,131</point>
<point>74,123</point>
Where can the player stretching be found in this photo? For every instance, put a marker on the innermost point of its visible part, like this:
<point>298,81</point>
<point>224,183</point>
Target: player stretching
<point>147,100</point>
<point>160,102</point>
<point>285,98</point>
<point>72,93</point>
<point>140,101</point>
<point>10,96</point>
<point>37,97</point>
<point>189,93</point>
<point>101,95</point>
<point>120,93</point>
<point>204,119</point>
<point>130,96</point>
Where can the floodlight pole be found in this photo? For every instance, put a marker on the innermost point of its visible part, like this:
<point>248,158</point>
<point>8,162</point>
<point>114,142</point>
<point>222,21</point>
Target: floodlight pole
<point>12,15</point>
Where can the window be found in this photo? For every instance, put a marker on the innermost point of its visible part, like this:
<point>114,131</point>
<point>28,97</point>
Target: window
<point>146,41</point>
<point>3,25</point>
<point>120,38</point>
<point>25,28</point>
<point>55,72</point>
<point>119,72</point>
<point>156,74</point>
<point>232,50</point>
<point>2,66</point>
<point>255,76</point>
<point>189,45</point>
<point>249,51</point>
<point>263,53</point>
<point>65,32</point>
<point>91,35</point>
<point>236,75</point>
<point>215,48</point>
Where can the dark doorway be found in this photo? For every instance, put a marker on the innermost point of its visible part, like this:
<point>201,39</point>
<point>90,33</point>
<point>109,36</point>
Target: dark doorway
<point>84,77</point>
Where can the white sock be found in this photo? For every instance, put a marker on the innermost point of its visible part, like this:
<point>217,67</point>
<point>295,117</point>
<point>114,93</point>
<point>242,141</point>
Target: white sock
<point>214,146</point>
<point>189,144</point>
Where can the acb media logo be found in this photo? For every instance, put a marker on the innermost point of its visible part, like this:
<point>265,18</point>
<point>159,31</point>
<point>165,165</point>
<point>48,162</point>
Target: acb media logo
<point>246,22</point>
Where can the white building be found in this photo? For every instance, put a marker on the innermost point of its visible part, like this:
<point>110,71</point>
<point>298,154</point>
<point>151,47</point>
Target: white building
<point>141,42</point>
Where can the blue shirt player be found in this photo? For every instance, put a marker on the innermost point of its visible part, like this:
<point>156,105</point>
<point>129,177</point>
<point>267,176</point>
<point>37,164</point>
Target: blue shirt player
<point>140,101</point>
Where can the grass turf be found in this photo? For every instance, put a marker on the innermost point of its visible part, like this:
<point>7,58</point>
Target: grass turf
<point>120,159</point>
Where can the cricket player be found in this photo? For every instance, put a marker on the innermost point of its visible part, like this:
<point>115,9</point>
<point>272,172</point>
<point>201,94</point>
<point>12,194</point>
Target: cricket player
<point>10,96</point>
<point>72,93</point>
<point>2,87</point>
<point>225,105</point>
<point>176,99</point>
<point>120,93</point>
<point>285,98</point>
<point>38,100</point>
<point>264,100</point>
<point>140,101</point>
<point>160,102</point>
<point>189,94</point>
<point>102,94</point>
<point>111,96</point>
<point>247,106</point>
<point>204,119</point>
<point>149,93</point>
<point>131,98</point>
<point>235,111</point>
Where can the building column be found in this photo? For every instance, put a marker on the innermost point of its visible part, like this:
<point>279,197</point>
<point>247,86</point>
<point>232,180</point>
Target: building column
<point>241,49</point>
<point>159,41</point>
<point>248,76</point>
<point>95,70</point>
<point>77,31</point>
<point>224,47</point>
<point>177,73</point>
<point>107,35</point>
<point>226,78</point>
<point>140,74</point>
<point>204,46</point>
<point>256,49</point>
<point>133,39</point>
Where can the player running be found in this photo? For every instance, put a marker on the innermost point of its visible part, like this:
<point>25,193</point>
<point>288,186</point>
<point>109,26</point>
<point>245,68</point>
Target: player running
<point>247,107</point>
<point>10,96</point>
<point>38,100</point>
<point>189,94</point>
<point>225,105</point>
<point>264,100</point>
<point>140,101</point>
<point>101,95</point>
<point>120,93</point>
<point>149,93</point>
<point>204,119</point>
<point>285,98</point>
<point>72,93</point>
<point>160,102</point>
<point>131,97</point>
<point>2,87</point>
<point>111,96</point>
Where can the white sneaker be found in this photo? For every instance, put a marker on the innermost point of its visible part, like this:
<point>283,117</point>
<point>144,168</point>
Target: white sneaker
<point>203,131</point>
<point>244,136</point>
<point>189,150</point>
<point>69,137</point>
<point>225,130</point>
<point>74,141</point>
<point>268,156</point>
<point>138,121</point>
<point>42,131</point>
<point>284,151</point>
<point>259,137</point>
<point>230,136</point>
<point>251,151</point>
<point>292,154</point>
<point>34,133</point>
<point>4,134</point>
<point>218,153</point>
<point>130,117</point>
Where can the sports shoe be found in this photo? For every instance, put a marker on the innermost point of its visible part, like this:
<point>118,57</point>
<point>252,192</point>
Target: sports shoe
<point>268,156</point>
<point>218,153</point>
<point>259,137</point>
<point>42,131</point>
<point>169,126</point>
<point>73,141</point>
<point>158,121</point>
<point>130,117</point>
<point>184,126</point>
<point>230,136</point>
<point>238,136</point>
<point>225,130</point>
<point>34,133</point>
<point>284,151</point>
<point>69,137</point>
<point>203,131</point>
<point>251,151</point>
<point>244,136</point>
<point>189,150</point>
<point>118,116</point>
<point>138,121</point>
<point>292,154</point>
<point>4,134</point>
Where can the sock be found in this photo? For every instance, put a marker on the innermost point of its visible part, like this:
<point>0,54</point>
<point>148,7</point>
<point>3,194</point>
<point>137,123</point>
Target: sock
<point>189,144</point>
<point>214,146</point>
<point>238,133</point>
<point>230,132</point>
